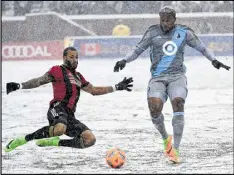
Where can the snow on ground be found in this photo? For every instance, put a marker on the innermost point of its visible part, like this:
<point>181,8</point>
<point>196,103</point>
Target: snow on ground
<point>122,119</point>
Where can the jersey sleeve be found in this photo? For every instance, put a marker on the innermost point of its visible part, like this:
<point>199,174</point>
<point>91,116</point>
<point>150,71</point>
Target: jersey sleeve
<point>193,41</point>
<point>145,41</point>
<point>140,47</point>
<point>84,82</point>
<point>52,71</point>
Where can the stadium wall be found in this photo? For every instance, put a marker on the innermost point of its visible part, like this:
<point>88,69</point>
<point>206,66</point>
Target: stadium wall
<point>40,27</point>
<point>54,26</point>
<point>103,47</point>
<point>201,23</point>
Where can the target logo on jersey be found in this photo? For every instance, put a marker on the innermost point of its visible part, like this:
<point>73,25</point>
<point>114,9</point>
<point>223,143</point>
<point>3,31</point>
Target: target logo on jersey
<point>170,48</point>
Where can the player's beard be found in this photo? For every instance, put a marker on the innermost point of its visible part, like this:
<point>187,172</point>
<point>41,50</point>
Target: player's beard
<point>69,65</point>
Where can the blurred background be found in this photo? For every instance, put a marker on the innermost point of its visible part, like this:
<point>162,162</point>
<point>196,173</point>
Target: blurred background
<point>20,8</point>
<point>102,31</point>
<point>41,29</point>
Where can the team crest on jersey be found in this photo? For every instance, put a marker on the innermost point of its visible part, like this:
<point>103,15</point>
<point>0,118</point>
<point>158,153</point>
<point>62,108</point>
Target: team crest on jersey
<point>170,48</point>
<point>74,80</point>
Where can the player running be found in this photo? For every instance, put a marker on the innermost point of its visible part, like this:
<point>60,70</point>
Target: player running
<point>167,41</point>
<point>67,83</point>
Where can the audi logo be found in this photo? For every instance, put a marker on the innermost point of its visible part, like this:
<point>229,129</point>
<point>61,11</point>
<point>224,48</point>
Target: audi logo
<point>26,51</point>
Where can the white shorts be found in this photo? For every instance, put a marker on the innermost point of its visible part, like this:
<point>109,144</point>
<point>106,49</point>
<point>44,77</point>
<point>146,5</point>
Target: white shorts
<point>172,86</point>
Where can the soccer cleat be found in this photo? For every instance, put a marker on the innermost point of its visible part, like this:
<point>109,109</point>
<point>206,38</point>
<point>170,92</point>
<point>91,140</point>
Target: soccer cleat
<point>174,156</point>
<point>167,145</point>
<point>52,141</point>
<point>15,143</point>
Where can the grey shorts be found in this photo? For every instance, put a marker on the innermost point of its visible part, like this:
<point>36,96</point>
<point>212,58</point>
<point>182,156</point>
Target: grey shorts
<point>172,86</point>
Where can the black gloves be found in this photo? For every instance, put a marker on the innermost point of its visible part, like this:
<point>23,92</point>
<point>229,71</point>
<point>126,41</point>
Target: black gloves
<point>218,64</point>
<point>119,65</point>
<point>124,85</point>
<point>12,86</point>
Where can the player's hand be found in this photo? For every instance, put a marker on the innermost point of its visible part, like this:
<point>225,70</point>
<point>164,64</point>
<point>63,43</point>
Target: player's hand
<point>217,64</point>
<point>12,86</point>
<point>125,84</point>
<point>119,65</point>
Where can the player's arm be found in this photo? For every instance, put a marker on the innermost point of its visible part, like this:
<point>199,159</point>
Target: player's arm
<point>134,54</point>
<point>194,42</point>
<point>30,84</point>
<point>98,90</point>
<point>36,82</point>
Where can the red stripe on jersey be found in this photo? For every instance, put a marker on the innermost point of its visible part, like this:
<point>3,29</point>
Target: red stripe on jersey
<point>59,87</point>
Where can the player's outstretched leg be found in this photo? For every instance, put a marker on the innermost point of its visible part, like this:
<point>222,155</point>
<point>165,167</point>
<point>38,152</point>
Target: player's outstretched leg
<point>84,140</point>
<point>15,143</point>
<point>52,141</point>
<point>40,133</point>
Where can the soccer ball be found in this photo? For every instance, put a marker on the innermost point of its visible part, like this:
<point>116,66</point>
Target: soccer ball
<point>115,157</point>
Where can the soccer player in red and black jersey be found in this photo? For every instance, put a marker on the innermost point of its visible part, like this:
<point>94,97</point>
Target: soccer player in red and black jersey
<point>67,83</point>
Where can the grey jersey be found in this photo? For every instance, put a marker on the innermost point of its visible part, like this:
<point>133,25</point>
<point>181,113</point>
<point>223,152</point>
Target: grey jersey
<point>167,49</point>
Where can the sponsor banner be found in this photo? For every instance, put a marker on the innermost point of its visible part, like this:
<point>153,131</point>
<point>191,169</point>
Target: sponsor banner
<point>117,47</point>
<point>90,49</point>
<point>221,45</point>
<point>102,47</point>
<point>32,50</point>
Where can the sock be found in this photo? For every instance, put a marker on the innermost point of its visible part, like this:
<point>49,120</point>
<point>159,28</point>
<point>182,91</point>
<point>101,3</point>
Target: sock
<point>76,142</point>
<point>39,134</point>
<point>158,122</point>
<point>178,127</point>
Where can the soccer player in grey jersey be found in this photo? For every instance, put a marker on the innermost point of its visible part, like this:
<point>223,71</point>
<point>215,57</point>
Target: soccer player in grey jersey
<point>167,41</point>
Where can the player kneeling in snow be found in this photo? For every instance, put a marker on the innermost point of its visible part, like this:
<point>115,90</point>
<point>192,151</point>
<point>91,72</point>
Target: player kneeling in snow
<point>67,83</point>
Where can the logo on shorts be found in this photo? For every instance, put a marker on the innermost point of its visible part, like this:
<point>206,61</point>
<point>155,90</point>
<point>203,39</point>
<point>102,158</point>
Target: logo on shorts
<point>170,48</point>
<point>54,113</point>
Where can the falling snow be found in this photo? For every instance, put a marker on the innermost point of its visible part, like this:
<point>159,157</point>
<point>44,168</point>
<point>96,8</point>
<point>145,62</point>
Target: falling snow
<point>122,119</point>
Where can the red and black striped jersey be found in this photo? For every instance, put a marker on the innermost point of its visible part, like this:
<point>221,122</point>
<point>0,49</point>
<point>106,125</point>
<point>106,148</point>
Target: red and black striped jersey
<point>66,85</point>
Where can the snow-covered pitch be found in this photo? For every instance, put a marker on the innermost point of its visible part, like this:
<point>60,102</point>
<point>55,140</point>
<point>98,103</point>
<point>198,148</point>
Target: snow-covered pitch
<point>122,119</point>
